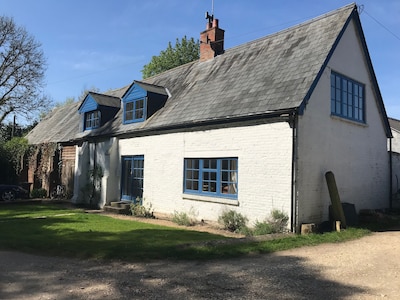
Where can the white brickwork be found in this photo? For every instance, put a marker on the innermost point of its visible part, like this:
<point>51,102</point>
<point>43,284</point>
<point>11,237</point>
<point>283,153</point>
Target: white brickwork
<point>264,169</point>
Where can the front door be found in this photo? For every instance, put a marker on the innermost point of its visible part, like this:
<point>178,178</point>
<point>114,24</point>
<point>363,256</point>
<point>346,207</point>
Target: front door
<point>132,177</point>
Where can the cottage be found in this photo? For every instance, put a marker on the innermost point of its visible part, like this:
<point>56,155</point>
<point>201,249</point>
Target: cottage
<point>252,128</point>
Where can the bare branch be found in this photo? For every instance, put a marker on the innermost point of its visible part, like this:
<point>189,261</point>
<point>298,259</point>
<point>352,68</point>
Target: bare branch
<point>22,69</point>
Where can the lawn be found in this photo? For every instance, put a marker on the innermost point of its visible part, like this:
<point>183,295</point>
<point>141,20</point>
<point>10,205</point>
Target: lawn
<point>58,230</point>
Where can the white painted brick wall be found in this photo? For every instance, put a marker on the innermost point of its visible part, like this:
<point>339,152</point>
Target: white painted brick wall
<point>355,153</point>
<point>264,168</point>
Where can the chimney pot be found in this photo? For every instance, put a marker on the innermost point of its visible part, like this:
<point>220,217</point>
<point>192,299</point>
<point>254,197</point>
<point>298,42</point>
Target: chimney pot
<point>215,23</point>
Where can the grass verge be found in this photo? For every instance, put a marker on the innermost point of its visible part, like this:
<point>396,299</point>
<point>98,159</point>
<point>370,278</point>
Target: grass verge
<point>57,230</point>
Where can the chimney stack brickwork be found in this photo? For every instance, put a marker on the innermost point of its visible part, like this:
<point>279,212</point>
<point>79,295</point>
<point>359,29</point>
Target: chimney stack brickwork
<point>211,41</point>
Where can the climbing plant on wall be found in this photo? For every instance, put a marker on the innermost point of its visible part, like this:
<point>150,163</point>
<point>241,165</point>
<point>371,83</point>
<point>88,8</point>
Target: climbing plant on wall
<point>41,161</point>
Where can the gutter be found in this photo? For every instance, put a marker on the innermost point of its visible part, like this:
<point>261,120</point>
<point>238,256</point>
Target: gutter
<point>390,175</point>
<point>293,121</point>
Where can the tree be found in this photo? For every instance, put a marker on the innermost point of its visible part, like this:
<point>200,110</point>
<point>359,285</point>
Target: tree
<point>183,52</point>
<point>22,67</point>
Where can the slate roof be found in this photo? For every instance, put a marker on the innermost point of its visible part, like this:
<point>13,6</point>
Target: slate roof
<point>267,76</point>
<point>271,74</point>
<point>60,125</point>
<point>394,124</point>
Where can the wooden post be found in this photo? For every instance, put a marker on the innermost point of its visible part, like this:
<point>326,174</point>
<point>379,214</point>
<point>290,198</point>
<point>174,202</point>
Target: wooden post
<point>337,226</point>
<point>337,209</point>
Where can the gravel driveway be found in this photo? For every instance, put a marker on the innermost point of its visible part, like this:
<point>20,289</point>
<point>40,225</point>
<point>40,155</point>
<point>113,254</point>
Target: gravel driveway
<point>368,268</point>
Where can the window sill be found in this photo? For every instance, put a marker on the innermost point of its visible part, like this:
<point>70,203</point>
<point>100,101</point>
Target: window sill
<point>133,121</point>
<point>343,119</point>
<point>228,201</point>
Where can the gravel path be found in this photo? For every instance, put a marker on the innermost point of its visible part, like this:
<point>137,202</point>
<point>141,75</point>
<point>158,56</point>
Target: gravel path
<point>368,268</point>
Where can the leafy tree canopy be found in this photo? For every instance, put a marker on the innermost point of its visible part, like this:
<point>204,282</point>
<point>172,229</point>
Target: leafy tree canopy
<point>22,67</point>
<point>183,52</point>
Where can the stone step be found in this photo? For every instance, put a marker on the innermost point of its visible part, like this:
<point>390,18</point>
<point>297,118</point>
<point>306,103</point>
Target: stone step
<point>121,210</point>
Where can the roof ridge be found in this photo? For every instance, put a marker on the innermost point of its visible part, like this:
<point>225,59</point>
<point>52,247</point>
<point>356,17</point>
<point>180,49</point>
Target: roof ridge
<point>103,94</point>
<point>147,83</point>
<point>305,23</point>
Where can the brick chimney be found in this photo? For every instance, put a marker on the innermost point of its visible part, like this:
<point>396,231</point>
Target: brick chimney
<point>211,40</point>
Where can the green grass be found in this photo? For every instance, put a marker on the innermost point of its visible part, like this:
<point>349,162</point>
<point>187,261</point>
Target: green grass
<point>61,231</point>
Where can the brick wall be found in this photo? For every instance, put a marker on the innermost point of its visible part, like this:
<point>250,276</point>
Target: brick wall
<point>264,169</point>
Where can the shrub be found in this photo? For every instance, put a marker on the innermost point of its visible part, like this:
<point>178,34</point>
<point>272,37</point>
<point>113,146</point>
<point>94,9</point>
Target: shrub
<point>276,223</point>
<point>139,210</point>
<point>262,228</point>
<point>233,221</point>
<point>38,193</point>
<point>182,218</point>
<point>278,220</point>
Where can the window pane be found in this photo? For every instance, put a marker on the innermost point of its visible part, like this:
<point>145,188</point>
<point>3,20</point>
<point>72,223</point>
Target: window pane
<point>206,163</point>
<point>129,115</point>
<point>139,114</point>
<point>129,106</point>
<point>337,107</point>
<point>139,104</point>
<point>189,163</point>
<point>350,111</point>
<point>213,163</point>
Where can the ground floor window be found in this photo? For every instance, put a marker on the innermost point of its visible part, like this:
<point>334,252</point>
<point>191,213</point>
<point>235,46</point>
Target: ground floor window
<point>211,176</point>
<point>132,177</point>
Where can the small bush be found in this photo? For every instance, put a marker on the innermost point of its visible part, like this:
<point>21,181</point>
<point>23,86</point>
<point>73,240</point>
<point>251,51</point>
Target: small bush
<point>262,228</point>
<point>139,210</point>
<point>38,193</point>
<point>182,218</point>
<point>278,220</point>
<point>233,221</point>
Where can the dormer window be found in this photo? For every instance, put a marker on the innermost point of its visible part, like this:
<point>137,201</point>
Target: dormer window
<point>98,109</point>
<point>134,110</point>
<point>141,101</point>
<point>92,119</point>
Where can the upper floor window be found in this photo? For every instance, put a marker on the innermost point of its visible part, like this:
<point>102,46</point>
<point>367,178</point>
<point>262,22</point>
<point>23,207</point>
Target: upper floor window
<point>211,176</point>
<point>134,110</point>
<point>92,119</point>
<point>347,98</point>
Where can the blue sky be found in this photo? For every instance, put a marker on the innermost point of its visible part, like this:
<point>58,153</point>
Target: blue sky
<point>105,43</point>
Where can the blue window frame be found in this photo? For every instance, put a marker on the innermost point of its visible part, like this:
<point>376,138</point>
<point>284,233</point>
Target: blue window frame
<point>92,119</point>
<point>134,111</point>
<point>211,177</point>
<point>132,177</point>
<point>347,98</point>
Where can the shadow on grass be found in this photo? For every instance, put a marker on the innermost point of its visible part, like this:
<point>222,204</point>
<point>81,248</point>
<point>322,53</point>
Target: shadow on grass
<point>93,236</point>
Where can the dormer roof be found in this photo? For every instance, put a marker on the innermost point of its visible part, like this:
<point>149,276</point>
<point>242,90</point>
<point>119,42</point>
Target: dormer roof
<point>94,100</point>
